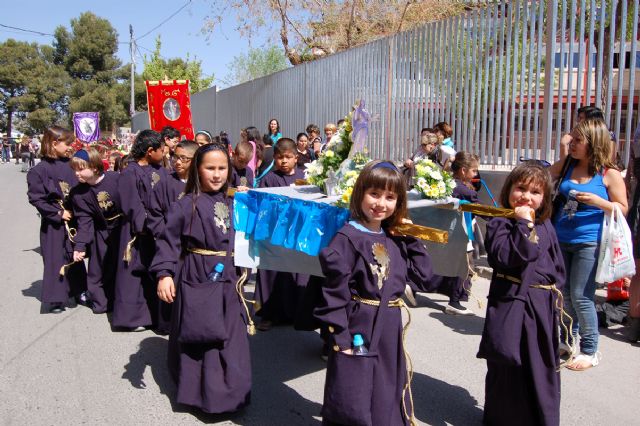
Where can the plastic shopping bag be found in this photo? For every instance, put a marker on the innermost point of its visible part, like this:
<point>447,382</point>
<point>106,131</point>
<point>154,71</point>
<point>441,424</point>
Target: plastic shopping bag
<point>615,259</point>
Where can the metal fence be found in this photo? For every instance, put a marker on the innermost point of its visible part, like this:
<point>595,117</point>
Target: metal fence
<point>509,78</point>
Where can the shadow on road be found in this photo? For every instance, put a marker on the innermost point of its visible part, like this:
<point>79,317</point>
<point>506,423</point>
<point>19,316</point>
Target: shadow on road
<point>463,324</point>
<point>152,352</point>
<point>278,356</point>
<point>35,290</point>
<point>439,403</point>
<point>35,250</point>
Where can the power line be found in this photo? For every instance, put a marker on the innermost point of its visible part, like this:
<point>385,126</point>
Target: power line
<point>26,30</point>
<point>163,22</point>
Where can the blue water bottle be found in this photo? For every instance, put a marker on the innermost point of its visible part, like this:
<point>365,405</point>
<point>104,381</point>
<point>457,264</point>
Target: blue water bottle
<point>216,274</point>
<point>358,345</point>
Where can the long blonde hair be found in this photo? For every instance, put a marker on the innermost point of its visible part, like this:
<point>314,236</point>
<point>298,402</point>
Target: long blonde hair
<point>596,134</point>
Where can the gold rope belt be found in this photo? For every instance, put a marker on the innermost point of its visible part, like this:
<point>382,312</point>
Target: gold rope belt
<point>559,304</point>
<point>71,232</point>
<point>206,252</point>
<point>109,219</point>
<point>398,303</point>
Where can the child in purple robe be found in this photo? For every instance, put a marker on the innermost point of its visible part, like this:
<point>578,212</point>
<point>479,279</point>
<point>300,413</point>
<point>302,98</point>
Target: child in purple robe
<point>135,302</point>
<point>277,293</point>
<point>208,345</point>
<point>520,338</point>
<point>96,206</point>
<point>366,269</point>
<point>167,192</point>
<point>242,176</point>
<point>49,184</point>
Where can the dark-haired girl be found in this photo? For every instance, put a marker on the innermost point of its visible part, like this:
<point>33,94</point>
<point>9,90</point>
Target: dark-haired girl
<point>273,131</point>
<point>208,344</point>
<point>366,270</point>
<point>97,208</point>
<point>49,184</point>
<point>520,337</point>
<point>135,302</point>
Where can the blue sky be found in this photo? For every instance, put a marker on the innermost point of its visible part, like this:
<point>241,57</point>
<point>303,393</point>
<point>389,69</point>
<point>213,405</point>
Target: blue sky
<point>180,35</point>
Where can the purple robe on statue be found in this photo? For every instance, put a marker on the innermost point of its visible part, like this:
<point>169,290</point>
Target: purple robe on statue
<point>242,177</point>
<point>99,214</point>
<point>520,337</point>
<point>136,301</point>
<point>348,264</point>
<point>214,377</point>
<point>278,293</point>
<point>49,184</point>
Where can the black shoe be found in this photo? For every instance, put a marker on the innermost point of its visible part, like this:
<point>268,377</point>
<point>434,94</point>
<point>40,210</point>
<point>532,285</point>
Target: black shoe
<point>83,299</point>
<point>56,308</point>
<point>325,352</point>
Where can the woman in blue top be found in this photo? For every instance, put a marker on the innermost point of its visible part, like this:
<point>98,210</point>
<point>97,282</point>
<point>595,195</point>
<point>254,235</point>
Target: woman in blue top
<point>598,185</point>
<point>273,131</point>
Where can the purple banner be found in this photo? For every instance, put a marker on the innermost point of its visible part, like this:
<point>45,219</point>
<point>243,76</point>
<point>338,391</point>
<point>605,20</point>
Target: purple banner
<point>87,126</point>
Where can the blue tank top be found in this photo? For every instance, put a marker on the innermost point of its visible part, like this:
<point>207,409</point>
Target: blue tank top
<point>586,224</point>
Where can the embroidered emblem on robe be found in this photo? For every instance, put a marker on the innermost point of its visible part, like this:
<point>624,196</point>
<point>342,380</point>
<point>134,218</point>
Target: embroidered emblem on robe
<point>381,270</point>
<point>155,178</point>
<point>64,187</point>
<point>243,181</point>
<point>104,200</point>
<point>221,219</point>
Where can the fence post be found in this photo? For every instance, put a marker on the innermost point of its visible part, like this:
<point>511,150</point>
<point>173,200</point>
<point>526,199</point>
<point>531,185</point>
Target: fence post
<point>549,70</point>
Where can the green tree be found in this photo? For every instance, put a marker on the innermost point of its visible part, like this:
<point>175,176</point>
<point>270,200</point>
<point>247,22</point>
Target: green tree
<point>157,68</point>
<point>32,86</point>
<point>256,63</point>
<point>88,54</point>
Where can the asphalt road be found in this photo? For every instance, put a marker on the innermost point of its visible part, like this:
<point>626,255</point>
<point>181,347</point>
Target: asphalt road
<point>72,369</point>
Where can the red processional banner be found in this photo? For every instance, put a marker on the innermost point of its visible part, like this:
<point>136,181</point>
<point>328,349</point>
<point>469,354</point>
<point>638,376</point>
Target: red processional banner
<point>169,104</point>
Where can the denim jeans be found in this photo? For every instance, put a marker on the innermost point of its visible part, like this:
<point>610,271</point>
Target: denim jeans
<point>6,153</point>
<point>579,291</point>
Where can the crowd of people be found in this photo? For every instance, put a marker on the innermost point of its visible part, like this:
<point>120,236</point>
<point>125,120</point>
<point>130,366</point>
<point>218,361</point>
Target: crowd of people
<point>149,236</point>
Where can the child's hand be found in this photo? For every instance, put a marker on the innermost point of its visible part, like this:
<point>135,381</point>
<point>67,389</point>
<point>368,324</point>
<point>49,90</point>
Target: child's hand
<point>407,220</point>
<point>166,289</point>
<point>626,282</point>
<point>347,351</point>
<point>524,212</point>
<point>242,188</point>
<point>66,215</point>
<point>78,256</point>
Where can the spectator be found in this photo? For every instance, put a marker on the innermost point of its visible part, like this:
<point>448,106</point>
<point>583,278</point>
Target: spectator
<point>6,150</point>
<point>305,154</point>
<point>315,142</point>
<point>273,131</point>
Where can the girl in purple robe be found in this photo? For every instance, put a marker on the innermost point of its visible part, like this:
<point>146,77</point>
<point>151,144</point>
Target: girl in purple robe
<point>277,293</point>
<point>520,338</point>
<point>135,303</point>
<point>49,184</point>
<point>96,206</point>
<point>208,345</point>
<point>366,269</point>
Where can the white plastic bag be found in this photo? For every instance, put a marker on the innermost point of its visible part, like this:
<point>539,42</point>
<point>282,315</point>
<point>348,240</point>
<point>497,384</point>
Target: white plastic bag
<point>615,259</point>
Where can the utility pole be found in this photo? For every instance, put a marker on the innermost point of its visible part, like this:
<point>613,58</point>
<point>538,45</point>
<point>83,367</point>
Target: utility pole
<point>132,108</point>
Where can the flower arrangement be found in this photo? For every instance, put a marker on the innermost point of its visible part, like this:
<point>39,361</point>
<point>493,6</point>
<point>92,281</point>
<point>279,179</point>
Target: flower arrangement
<point>431,181</point>
<point>348,180</point>
<point>336,151</point>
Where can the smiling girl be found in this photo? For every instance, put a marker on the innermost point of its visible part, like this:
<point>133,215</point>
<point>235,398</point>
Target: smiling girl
<point>366,270</point>
<point>520,337</point>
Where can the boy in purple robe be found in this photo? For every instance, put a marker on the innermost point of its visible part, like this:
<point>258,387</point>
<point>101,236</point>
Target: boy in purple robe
<point>96,206</point>
<point>366,269</point>
<point>49,184</point>
<point>135,302</point>
<point>242,177</point>
<point>167,192</point>
<point>171,189</point>
<point>208,346</point>
<point>277,293</point>
<point>520,338</point>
